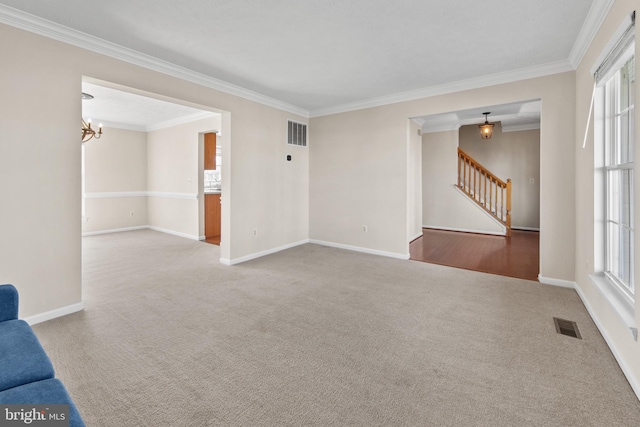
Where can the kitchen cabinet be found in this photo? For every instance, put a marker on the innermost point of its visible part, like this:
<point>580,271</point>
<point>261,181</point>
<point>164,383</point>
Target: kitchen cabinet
<point>212,215</point>
<point>209,151</point>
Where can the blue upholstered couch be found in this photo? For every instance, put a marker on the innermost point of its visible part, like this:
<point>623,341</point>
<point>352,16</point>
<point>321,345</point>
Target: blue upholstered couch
<point>26,373</point>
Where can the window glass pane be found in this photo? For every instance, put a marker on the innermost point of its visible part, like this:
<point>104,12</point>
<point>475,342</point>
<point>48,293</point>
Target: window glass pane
<point>626,197</point>
<point>631,65</point>
<point>631,133</point>
<point>625,256</point>
<point>613,253</point>
<point>623,97</point>
<point>613,193</point>
<point>624,155</point>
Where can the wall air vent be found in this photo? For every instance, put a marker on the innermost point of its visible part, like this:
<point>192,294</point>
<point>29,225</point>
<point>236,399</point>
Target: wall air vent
<point>296,133</point>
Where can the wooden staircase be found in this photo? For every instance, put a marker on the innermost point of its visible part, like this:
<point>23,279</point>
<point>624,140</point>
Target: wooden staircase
<point>483,187</point>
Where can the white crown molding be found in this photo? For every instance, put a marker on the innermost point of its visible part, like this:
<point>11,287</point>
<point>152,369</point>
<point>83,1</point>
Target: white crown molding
<point>441,128</point>
<point>519,128</point>
<point>596,16</point>
<point>34,24</point>
<point>475,83</point>
<point>201,115</point>
<point>118,125</point>
<point>457,126</point>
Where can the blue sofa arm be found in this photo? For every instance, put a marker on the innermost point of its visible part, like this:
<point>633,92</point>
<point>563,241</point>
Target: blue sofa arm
<point>8,303</point>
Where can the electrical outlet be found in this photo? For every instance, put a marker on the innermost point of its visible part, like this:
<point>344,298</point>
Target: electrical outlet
<point>365,229</point>
<point>255,232</point>
<point>131,213</point>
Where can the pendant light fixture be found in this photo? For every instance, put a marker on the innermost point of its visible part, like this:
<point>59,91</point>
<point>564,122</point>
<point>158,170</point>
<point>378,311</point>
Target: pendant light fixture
<point>486,129</point>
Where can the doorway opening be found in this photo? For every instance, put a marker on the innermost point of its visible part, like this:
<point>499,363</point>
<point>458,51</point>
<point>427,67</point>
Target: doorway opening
<point>147,169</point>
<point>456,215</point>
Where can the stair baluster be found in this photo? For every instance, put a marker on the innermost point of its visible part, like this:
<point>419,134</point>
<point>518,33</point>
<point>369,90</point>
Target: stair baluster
<point>499,202</point>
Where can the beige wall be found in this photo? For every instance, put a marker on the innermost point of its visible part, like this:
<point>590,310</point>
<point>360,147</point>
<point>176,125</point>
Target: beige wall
<point>359,164</point>
<point>514,155</point>
<point>115,163</point>
<point>620,340</point>
<point>414,181</point>
<point>359,178</point>
<point>167,163</point>
<point>40,80</point>
<point>443,205</point>
<point>174,156</point>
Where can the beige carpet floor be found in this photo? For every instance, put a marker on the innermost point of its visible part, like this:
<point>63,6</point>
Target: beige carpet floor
<point>316,336</point>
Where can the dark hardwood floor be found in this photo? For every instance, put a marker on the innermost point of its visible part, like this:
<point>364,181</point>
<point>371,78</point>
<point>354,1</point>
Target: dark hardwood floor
<point>515,256</point>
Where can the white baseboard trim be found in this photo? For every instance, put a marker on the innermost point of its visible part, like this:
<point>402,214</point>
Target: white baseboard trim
<point>633,382</point>
<point>58,312</point>
<point>246,258</point>
<point>114,230</point>
<point>417,236</point>
<point>557,282</point>
<point>175,233</point>
<point>525,228</point>
<point>466,230</point>
<point>144,227</point>
<point>360,249</point>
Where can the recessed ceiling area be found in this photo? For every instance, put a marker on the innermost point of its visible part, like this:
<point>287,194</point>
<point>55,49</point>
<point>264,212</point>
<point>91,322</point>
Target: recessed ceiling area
<point>119,109</point>
<point>515,116</point>
<point>324,55</point>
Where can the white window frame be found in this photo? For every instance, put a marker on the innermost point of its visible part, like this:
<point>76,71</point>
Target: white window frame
<point>612,145</point>
<point>620,297</point>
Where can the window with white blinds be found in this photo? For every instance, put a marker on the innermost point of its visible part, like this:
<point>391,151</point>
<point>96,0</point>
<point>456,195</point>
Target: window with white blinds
<point>619,155</point>
<point>614,138</point>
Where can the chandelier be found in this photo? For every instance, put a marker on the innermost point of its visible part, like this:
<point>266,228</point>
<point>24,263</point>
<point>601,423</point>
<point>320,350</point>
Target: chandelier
<point>486,129</point>
<point>87,131</point>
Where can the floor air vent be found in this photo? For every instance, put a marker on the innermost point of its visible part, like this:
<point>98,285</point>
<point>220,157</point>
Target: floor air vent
<point>567,327</point>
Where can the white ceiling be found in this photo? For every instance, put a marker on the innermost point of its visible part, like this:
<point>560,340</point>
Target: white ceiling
<point>320,55</point>
<point>115,108</point>
<point>516,116</point>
